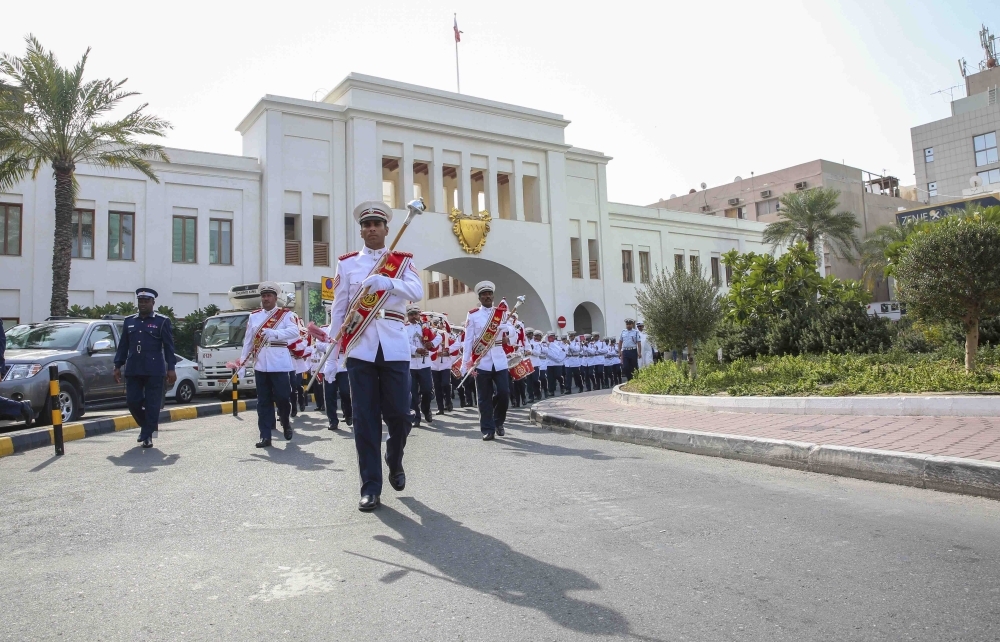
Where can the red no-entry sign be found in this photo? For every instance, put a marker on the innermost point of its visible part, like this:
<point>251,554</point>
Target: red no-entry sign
<point>561,321</point>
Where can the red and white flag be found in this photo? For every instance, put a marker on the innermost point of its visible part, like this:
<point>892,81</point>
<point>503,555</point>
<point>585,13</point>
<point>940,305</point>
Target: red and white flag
<point>458,36</point>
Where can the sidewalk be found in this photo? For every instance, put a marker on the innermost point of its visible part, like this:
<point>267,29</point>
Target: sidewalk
<point>955,454</point>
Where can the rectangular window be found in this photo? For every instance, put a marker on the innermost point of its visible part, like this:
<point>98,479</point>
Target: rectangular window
<point>716,276</point>
<point>220,241</point>
<point>678,262</point>
<point>446,287</point>
<point>929,155</point>
<point>10,229</point>
<point>184,239</point>
<point>729,275</point>
<point>770,206</point>
<point>643,267</point>
<point>83,234</point>
<point>433,289</point>
<point>990,176</point>
<point>595,273</point>
<point>985,146</point>
<point>121,239</point>
<point>932,189</point>
<point>627,266</point>
<point>695,264</point>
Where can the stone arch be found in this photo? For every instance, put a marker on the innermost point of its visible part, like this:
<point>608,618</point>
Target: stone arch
<point>509,285</point>
<point>588,318</point>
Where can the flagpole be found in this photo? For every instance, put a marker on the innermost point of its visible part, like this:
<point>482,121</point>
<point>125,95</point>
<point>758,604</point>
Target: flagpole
<point>458,78</point>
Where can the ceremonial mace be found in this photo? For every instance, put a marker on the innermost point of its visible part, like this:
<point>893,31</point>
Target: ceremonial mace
<point>472,367</point>
<point>416,207</point>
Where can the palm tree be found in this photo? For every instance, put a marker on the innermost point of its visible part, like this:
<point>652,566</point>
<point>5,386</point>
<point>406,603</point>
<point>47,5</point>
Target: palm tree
<point>52,118</point>
<point>875,250</point>
<point>809,217</point>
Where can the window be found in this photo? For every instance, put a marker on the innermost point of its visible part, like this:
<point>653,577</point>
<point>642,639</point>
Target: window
<point>627,266</point>
<point>184,239</point>
<point>592,257</point>
<point>990,176</point>
<point>986,149</point>
<point>10,230</point>
<point>433,290</point>
<point>729,275</point>
<point>770,206</point>
<point>83,234</point>
<point>220,241</point>
<point>716,276</point>
<point>929,155</point>
<point>446,287</point>
<point>695,265</point>
<point>643,267</point>
<point>932,189</point>
<point>121,241</point>
<point>678,262</point>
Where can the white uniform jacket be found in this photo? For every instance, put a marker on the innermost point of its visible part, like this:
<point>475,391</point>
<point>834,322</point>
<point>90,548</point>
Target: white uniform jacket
<point>647,349</point>
<point>496,358</point>
<point>416,333</point>
<point>555,353</point>
<point>599,349</point>
<point>444,352</point>
<point>271,358</point>
<point>352,269</point>
<point>573,354</point>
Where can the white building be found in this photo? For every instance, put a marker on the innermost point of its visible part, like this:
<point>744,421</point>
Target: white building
<point>282,211</point>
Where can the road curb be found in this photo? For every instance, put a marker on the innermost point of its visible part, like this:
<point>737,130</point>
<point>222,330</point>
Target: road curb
<point>42,437</point>
<point>909,406</point>
<point>949,474</point>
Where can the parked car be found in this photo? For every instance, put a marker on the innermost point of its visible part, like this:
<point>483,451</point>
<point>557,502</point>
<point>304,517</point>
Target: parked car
<point>84,352</point>
<point>187,381</point>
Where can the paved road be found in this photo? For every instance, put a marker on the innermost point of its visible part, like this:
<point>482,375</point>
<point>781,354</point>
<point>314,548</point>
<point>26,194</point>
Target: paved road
<point>7,426</point>
<point>537,536</point>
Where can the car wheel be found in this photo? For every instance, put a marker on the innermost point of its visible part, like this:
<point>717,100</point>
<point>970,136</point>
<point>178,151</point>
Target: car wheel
<point>69,402</point>
<point>185,392</point>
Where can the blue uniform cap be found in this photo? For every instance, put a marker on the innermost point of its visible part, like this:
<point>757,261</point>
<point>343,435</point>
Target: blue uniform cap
<point>146,293</point>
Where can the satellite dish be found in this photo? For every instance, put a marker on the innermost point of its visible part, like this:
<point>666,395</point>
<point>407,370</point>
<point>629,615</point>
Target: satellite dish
<point>704,186</point>
<point>673,196</point>
<point>737,179</point>
<point>693,191</point>
<point>975,181</point>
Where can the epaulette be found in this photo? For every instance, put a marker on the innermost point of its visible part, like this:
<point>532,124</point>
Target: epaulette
<point>473,310</point>
<point>408,255</point>
<point>348,255</point>
<point>257,310</point>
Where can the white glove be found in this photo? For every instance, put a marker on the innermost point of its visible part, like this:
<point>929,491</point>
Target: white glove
<point>269,334</point>
<point>377,283</point>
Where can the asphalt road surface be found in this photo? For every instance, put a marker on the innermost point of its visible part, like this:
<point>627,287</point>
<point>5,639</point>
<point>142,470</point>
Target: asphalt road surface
<point>115,410</point>
<point>537,536</point>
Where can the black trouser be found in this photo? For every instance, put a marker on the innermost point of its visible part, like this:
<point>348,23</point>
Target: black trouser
<point>273,389</point>
<point>380,391</point>
<point>298,397</point>
<point>598,376</point>
<point>144,396</point>
<point>543,381</point>
<point>331,389</point>
<point>573,376</point>
<point>494,397</point>
<point>421,392</point>
<point>442,388</point>
<point>630,362</point>
<point>316,390</point>
<point>555,376</point>
<point>616,374</point>
<point>588,376</point>
<point>534,388</point>
<point>520,388</point>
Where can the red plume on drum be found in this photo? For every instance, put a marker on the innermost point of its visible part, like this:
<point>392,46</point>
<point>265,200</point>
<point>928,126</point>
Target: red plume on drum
<point>318,333</point>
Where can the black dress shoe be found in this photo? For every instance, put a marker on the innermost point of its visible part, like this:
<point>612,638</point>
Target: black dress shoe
<point>332,427</point>
<point>397,478</point>
<point>26,413</point>
<point>264,443</point>
<point>488,437</point>
<point>287,430</point>
<point>427,416</point>
<point>500,432</point>
<point>147,443</point>
<point>349,421</point>
<point>294,411</point>
<point>138,439</point>
<point>449,408</point>
<point>439,412</point>
<point>368,503</point>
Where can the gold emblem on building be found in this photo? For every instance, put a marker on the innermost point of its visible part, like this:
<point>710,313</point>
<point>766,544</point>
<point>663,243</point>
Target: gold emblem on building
<point>470,231</point>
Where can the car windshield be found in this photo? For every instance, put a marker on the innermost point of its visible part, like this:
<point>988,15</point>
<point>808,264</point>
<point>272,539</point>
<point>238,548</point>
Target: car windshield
<point>46,336</point>
<point>224,332</point>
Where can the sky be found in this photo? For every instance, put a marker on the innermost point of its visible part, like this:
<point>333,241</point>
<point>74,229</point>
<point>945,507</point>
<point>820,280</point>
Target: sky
<point>677,93</point>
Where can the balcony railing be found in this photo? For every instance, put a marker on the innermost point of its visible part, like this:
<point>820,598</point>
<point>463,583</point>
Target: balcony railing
<point>293,253</point>
<point>321,254</point>
<point>577,274</point>
<point>594,274</point>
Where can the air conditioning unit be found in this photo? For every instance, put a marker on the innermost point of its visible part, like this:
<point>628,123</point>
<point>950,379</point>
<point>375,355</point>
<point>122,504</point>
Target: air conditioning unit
<point>706,208</point>
<point>734,201</point>
<point>766,194</point>
<point>800,185</point>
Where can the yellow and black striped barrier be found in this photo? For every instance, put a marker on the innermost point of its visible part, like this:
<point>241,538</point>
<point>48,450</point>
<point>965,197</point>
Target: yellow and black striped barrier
<point>57,428</point>
<point>236,395</point>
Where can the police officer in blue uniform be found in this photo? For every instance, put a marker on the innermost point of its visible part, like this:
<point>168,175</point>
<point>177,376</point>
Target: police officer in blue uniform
<point>146,350</point>
<point>12,407</point>
<point>629,348</point>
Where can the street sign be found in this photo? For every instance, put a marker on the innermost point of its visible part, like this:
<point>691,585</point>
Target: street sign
<point>562,322</point>
<point>327,291</point>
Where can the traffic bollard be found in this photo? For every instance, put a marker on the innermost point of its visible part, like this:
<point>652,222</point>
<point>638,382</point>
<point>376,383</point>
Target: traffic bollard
<point>57,429</point>
<point>236,395</point>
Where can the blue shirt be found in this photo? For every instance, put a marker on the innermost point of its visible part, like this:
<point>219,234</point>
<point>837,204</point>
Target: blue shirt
<point>146,347</point>
<point>630,339</point>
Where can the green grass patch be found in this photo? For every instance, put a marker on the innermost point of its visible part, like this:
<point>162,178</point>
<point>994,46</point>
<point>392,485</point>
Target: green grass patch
<point>829,375</point>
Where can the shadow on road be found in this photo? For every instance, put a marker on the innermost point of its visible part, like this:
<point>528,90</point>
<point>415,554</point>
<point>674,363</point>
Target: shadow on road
<point>489,566</point>
<point>144,460</point>
<point>292,454</point>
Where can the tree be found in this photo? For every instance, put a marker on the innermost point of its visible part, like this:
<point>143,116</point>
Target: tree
<point>878,249</point>
<point>951,271</point>
<point>809,217</point>
<point>54,117</point>
<point>680,309</point>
